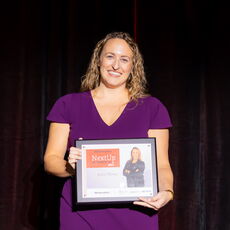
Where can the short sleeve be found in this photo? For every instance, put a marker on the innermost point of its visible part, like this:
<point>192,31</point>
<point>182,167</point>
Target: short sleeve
<point>60,111</point>
<point>159,116</point>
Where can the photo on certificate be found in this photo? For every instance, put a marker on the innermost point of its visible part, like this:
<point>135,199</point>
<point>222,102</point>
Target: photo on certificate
<point>117,170</point>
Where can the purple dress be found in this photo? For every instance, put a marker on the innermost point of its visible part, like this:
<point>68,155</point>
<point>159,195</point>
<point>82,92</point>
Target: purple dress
<point>79,110</point>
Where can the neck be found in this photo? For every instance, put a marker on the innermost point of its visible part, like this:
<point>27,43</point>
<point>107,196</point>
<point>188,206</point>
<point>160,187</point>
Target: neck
<point>111,94</point>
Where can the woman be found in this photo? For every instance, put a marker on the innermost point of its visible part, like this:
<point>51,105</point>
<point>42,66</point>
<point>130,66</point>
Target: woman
<point>112,100</point>
<point>134,169</point>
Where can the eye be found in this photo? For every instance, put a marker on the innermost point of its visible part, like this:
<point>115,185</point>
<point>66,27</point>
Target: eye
<point>109,56</point>
<point>124,60</point>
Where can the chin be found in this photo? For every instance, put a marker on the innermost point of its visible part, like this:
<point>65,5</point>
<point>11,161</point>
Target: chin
<point>114,85</point>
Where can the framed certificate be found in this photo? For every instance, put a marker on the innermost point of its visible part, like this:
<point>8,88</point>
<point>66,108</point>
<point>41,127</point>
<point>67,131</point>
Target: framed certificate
<point>117,170</point>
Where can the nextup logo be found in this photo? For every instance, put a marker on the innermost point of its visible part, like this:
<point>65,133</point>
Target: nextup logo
<point>102,158</point>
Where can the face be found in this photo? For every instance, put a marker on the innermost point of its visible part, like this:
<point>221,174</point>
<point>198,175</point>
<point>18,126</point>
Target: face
<point>115,63</point>
<point>135,154</point>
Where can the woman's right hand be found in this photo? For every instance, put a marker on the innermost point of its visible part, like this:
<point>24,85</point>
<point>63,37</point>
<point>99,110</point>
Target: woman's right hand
<point>74,156</point>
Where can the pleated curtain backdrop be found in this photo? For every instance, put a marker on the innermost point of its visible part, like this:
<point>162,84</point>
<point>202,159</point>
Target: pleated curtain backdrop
<point>46,47</point>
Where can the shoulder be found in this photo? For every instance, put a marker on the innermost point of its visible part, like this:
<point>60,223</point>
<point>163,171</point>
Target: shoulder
<point>72,97</point>
<point>152,102</point>
<point>158,113</point>
<point>66,107</point>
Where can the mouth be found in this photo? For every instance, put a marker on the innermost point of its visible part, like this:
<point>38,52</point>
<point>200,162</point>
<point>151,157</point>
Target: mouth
<point>113,73</point>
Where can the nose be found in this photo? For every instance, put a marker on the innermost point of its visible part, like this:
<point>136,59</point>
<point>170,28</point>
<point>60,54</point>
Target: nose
<point>115,64</point>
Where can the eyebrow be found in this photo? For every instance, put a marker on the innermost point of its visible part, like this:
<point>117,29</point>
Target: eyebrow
<point>121,55</point>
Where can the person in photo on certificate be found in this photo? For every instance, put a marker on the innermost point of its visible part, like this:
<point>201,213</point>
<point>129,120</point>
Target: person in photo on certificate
<point>113,103</point>
<point>134,169</point>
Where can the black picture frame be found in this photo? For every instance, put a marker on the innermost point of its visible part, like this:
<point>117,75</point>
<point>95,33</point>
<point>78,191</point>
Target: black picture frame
<point>101,176</point>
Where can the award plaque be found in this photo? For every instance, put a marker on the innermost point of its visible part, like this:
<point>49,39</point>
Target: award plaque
<point>116,170</point>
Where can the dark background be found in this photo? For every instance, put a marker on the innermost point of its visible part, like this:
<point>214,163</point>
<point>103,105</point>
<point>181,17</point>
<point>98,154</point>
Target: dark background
<point>45,49</point>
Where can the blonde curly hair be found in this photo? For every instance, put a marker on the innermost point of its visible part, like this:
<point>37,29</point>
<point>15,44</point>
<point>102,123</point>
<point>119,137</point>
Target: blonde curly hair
<point>136,83</point>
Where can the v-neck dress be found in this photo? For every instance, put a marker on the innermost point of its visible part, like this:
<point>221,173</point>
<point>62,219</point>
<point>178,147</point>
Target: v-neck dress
<point>79,111</point>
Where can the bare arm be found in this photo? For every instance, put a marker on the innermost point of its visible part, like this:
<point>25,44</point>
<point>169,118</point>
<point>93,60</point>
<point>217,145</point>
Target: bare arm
<point>164,168</point>
<point>164,172</point>
<point>56,149</point>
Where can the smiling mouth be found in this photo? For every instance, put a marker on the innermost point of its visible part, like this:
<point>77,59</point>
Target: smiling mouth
<point>114,73</point>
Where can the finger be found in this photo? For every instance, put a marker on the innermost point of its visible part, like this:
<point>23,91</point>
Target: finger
<point>153,201</point>
<point>75,153</point>
<point>162,198</point>
<point>74,156</point>
<point>72,161</point>
<point>144,204</point>
<point>75,150</point>
<point>72,164</point>
<point>160,203</point>
<point>150,199</point>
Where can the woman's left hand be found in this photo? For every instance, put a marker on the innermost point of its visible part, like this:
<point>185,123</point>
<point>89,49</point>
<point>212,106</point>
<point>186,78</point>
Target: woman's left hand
<point>156,202</point>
